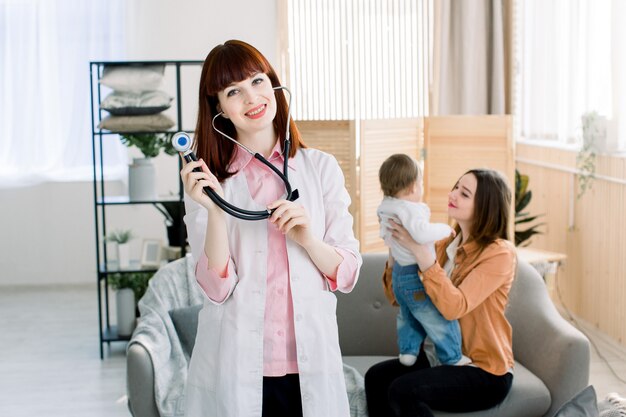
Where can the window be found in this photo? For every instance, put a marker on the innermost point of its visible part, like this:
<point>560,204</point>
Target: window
<point>571,60</point>
<point>356,59</point>
<point>45,116</point>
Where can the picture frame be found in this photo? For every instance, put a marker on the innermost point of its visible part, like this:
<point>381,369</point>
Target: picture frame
<point>151,253</point>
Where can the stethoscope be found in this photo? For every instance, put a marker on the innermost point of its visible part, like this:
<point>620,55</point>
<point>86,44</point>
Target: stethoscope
<point>182,143</point>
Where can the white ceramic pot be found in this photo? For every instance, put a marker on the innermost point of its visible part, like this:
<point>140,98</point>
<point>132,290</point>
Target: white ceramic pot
<point>125,309</point>
<point>123,255</point>
<point>141,180</point>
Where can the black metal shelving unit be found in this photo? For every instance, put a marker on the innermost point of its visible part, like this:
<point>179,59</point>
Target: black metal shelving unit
<point>106,330</point>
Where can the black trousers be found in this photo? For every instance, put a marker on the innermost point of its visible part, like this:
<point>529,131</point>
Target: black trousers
<point>393,389</point>
<point>281,396</point>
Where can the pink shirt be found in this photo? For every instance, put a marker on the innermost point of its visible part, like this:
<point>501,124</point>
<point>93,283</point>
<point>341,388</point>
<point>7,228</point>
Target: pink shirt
<point>279,341</point>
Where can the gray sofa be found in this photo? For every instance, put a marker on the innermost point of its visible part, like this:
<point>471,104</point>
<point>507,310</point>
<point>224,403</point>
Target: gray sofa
<point>552,357</point>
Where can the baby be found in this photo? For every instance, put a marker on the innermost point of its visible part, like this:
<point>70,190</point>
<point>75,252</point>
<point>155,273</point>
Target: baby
<point>401,182</point>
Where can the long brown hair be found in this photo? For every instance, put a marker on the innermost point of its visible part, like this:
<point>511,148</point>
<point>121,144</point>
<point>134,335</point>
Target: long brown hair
<point>492,204</point>
<point>228,63</point>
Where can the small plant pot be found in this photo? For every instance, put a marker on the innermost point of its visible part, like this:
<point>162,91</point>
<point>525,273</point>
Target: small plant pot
<point>125,309</point>
<point>123,255</point>
<point>141,180</point>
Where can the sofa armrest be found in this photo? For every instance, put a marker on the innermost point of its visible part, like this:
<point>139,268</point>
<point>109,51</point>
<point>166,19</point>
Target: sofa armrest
<point>544,342</point>
<point>140,382</point>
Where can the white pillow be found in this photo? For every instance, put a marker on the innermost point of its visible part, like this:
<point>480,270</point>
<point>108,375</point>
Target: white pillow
<point>148,123</point>
<point>127,104</point>
<point>133,78</point>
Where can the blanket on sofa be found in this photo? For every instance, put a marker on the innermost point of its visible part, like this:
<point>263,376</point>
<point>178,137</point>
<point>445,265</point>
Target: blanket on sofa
<point>174,287</point>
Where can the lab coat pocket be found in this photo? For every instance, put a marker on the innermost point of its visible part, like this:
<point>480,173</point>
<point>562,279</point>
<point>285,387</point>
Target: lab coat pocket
<point>205,360</point>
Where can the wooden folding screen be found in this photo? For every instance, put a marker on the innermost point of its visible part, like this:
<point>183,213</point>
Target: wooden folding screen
<point>455,144</point>
<point>449,145</point>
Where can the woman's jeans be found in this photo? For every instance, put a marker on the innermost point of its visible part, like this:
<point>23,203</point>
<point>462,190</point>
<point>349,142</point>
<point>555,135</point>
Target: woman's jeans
<point>395,390</point>
<point>418,317</point>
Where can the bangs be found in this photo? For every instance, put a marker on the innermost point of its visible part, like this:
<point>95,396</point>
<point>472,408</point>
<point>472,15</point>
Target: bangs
<point>234,63</point>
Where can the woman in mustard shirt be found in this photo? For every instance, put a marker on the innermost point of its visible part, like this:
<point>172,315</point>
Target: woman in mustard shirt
<point>469,281</point>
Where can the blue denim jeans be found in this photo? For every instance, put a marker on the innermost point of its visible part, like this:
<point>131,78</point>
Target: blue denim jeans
<point>418,317</point>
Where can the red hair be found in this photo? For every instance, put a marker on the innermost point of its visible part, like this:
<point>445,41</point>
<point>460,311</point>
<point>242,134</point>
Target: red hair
<point>232,62</point>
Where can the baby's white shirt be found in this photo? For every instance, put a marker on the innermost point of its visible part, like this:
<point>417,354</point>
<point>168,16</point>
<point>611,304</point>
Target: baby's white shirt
<point>415,217</point>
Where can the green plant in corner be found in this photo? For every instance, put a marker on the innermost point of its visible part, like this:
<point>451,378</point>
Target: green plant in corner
<point>119,236</point>
<point>522,197</point>
<point>136,281</point>
<point>150,144</point>
<point>586,157</point>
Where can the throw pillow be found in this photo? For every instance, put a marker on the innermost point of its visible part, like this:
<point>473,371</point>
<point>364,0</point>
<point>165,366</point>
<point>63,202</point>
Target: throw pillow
<point>133,78</point>
<point>584,404</point>
<point>186,324</point>
<point>147,123</point>
<point>130,104</point>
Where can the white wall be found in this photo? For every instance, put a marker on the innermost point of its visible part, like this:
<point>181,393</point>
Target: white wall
<point>47,232</point>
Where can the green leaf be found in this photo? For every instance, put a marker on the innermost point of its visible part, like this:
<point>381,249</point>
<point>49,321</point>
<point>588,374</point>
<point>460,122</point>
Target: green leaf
<point>523,202</point>
<point>150,144</point>
<point>137,281</point>
<point>521,220</point>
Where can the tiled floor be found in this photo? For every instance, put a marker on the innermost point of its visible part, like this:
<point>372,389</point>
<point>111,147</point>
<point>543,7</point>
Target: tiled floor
<point>50,362</point>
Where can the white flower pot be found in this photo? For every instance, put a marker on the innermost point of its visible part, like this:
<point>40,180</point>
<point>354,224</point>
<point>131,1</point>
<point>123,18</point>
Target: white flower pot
<point>125,310</point>
<point>123,255</point>
<point>141,180</point>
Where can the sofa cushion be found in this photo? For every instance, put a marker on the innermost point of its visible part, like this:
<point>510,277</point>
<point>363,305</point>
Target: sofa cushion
<point>186,324</point>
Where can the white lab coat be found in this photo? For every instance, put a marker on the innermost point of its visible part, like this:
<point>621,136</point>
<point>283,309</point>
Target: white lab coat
<point>226,369</point>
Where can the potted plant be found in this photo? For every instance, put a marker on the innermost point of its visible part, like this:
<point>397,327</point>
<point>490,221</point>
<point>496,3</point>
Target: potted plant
<point>129,288</point>
<point>121,238</point>
<point>594,133</point>
<point>141,173</point>
<point>522,197</point>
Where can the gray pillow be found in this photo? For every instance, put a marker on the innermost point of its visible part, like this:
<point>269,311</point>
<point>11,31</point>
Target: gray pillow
<point>131,104</point>
<point>186,324</point>
<point>584,404</point>
<point>133,77</point>
<point>147,123</point>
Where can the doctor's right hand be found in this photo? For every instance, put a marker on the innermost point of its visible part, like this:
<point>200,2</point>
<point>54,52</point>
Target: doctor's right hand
<point>194,183</point>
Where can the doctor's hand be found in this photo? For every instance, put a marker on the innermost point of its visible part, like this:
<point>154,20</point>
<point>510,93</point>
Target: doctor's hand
<point>194,183</point>
<point>292,220</point>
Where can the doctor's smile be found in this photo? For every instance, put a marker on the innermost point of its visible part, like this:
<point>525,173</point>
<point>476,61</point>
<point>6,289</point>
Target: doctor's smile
<point>257,112</point>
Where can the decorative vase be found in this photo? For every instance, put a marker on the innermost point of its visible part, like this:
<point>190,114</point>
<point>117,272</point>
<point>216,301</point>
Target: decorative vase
<point>141,180</point>
<point>123,255</point>
<point>125,309</point>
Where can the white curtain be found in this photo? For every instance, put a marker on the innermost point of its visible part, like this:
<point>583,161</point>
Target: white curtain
<point>45,115</point>
<point>359,59</point>
<point>469,58</point>
<point>572,57</point>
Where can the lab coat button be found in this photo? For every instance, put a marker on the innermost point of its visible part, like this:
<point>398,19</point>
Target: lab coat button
<point>298,317</point>
<point>303,358</point>
<point>306,397</point>
<point>294,278</point>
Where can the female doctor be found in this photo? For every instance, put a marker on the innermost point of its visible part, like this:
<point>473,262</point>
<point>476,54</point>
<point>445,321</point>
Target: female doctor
<point>267,342</point>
